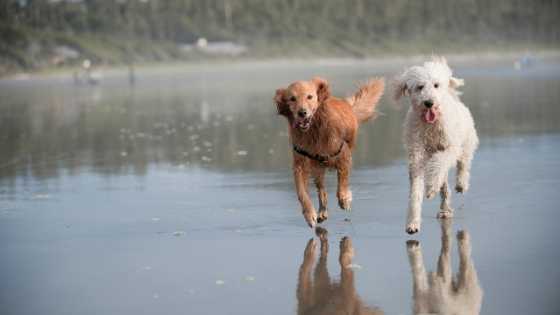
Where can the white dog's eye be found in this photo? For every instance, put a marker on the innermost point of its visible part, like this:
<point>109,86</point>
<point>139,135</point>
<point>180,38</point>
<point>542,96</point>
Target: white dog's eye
<point>436,85</point>
<point>309,96</point>
<point>293,98</point>
<point>419,88</point>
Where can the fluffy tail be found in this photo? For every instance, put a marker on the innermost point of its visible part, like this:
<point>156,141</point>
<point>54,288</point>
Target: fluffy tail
<point>365,100</point>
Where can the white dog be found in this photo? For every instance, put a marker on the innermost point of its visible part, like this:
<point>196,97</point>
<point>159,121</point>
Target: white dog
<point>439,133</point>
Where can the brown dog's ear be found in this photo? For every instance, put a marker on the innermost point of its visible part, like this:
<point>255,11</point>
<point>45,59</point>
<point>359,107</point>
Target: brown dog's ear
<point>323,90</point>
<point>281,106</point>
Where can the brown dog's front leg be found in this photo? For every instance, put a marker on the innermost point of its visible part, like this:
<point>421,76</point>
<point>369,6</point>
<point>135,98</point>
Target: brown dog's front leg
<point>301,178</point>
<point>319,175</point>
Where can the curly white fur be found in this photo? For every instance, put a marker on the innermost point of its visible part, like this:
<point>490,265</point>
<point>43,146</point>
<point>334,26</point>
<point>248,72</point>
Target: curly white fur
<point>435,146</point>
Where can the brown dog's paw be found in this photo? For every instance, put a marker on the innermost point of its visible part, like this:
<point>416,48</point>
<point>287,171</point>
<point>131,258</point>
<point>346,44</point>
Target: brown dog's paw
<point>345,201</point>
<point>322,233</point>
<point>323,216</point>
<point>311,218</point>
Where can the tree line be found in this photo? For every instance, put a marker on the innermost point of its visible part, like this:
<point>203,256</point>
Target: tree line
<point>284,26</point>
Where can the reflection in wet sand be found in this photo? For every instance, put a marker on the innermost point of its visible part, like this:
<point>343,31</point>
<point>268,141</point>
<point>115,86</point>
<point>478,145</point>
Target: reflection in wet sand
<point>318,294</point>
<point>441,293</point>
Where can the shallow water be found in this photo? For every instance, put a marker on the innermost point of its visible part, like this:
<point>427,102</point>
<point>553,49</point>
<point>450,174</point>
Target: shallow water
<point>175,196</point>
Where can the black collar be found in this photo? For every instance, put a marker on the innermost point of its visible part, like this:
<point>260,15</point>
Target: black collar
<point>318,157</point>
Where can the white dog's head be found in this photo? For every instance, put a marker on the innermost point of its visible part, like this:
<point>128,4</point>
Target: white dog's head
<point>427,86</point>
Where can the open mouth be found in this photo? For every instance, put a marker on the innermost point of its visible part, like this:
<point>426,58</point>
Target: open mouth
<point>430,115</point>
<point>303,124</point>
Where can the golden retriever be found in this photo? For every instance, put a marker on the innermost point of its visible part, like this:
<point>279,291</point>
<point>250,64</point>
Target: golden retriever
<point>323,132</point>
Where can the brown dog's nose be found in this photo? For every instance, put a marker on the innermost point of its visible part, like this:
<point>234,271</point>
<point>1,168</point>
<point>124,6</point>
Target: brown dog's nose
<point>429,103</point>
<point>302,113</point>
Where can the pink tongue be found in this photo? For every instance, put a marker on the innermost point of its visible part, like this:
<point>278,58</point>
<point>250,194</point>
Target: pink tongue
<point>430,116</point>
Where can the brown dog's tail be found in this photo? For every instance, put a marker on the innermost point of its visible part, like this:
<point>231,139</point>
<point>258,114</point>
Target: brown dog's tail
<point>365,100</point>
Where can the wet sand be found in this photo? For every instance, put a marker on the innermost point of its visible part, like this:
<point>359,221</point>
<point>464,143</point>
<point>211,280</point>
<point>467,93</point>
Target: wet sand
<point>176,197</point>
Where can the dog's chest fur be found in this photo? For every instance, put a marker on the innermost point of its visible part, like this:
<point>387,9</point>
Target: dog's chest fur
<point>434,137</point>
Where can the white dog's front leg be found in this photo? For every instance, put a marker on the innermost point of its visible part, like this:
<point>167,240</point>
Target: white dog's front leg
<point>415,200</point>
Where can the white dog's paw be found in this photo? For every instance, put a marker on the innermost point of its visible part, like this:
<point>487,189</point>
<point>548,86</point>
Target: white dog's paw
<point>345,200</point>
<point>413,227</point>
<point>445,214</point>
<point>310,217</point>
<point>430,193</point>
<point>461,187</point>
<point>412,245</point>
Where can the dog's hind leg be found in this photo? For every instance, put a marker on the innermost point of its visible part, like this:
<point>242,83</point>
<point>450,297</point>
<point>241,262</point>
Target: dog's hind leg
<point>343,193</point>
<point>464,170</point>
<point>319,177</point>
<point>446,210</point>
<point>437,170</point>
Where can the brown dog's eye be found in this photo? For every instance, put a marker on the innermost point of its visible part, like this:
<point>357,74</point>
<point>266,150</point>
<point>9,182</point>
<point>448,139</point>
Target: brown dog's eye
<point>419,88</point>
<point>436,85</point>
<point>293,98</point>
<point>309,97</point>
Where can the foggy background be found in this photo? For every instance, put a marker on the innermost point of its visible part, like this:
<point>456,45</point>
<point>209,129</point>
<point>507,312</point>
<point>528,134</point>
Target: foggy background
<point>46,34</point>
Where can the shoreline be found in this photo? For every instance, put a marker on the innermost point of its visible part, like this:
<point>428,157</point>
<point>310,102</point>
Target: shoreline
<point>377,61</point>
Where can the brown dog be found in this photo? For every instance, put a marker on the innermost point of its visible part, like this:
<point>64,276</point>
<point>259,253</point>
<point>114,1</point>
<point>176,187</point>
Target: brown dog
<point>323,132</point>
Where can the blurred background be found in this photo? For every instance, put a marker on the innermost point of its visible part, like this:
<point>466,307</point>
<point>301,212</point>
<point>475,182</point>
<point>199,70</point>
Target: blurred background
<point>144,168</point>
<point>39,34</point>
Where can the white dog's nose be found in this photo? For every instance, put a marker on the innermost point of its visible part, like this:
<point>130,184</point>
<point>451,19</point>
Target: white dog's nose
<point>429,103</point>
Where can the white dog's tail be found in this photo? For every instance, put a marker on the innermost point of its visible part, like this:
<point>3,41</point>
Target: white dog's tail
<point>365,100</point>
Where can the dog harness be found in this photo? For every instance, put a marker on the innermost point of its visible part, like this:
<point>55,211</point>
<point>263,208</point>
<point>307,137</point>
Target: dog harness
<point>318,157</point>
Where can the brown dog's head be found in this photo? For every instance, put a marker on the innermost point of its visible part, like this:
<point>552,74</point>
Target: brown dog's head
<point>300,101</point>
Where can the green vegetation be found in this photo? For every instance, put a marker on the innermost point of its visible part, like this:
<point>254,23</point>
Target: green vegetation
<point>125,31</point>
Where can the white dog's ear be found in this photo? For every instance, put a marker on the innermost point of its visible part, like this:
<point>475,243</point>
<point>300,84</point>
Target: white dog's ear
<point>439,59</point>
<point>399,88</point>
<point>456,82</point>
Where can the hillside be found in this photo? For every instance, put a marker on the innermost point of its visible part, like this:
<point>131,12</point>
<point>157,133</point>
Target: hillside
<point>38,34</point>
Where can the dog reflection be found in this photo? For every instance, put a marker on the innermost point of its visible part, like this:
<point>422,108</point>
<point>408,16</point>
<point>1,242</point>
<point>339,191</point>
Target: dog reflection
<point>441,293</point>
<point>318,294</point>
